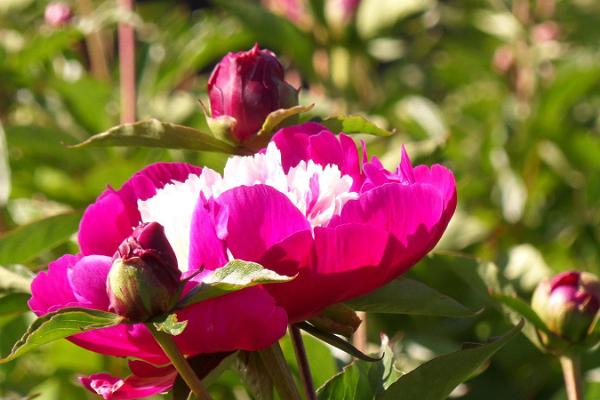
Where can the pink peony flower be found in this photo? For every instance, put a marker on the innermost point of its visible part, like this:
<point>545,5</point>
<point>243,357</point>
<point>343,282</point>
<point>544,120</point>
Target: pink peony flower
<point>248,319</point>
<point>307,204</point>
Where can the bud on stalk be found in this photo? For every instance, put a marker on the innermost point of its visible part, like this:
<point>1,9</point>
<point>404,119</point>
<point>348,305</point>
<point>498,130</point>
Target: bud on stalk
<point>244,88</point>
<point>144,280</point>
<point>568,304</point>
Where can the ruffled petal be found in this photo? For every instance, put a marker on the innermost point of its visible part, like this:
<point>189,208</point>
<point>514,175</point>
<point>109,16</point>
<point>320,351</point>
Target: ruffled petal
<point>206,249</point>
<point>258,218</point>
<point>246,320</point>
<point>293,142</point>
<point>52,290</point>
<point>88,280</point>
<point>107,222</point>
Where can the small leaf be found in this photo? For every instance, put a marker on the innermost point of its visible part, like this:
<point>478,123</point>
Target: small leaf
<point>362,380</point>
<point>24,243</point>
<point>153,133</point>
<point>235,275</point>
<point>171,325</point>
<point>61,324</point>
<point>354,124</point>
<point>407,296</point>
<point>335,341</point>
<point>275,119</point>
<point>437,378</point>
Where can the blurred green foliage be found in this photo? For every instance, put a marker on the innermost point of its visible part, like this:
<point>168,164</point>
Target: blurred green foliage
<point>505,93</point>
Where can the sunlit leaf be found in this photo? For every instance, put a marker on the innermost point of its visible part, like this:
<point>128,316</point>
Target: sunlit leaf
<point>61,324</point>
<point>354,124</point>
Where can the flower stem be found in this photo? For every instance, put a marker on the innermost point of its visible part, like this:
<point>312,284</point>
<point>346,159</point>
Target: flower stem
<point>276,367</point>
<point>571,367</point>
<point>180,363</point>
<point>302,360</point>
<point>127,65</point>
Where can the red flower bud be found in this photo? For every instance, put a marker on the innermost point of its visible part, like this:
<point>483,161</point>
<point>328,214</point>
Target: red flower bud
<point>247,86</point>
<point>144,279</point>
<point>568,304</point>
<point>57,14</point>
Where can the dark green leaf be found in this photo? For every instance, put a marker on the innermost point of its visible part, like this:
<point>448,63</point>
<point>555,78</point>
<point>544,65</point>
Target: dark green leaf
<point>354,124</point>
<point>235,275</point>
<point>335,341</point>
<point>153,133</point>
<point>361,380</point>
<point>407,296</point>
<point>28,241</point>
<point>251,368</point>
<point>61,324</point>
<point>436,379</point>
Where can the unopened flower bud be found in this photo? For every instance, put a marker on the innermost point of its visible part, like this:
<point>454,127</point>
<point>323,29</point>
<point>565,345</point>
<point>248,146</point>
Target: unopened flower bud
<point>247,86</point>
<point>568,304</point>
<point>57,14</point>
<point>144,280</point>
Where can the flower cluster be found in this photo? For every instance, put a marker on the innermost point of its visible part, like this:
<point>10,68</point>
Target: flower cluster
<point>311,205</point>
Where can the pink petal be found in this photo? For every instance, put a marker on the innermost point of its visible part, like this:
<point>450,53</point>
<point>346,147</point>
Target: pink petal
<point>247,320</point>
<point>293,142</point>
<point>206,249</point>
<point>348,263</point>
<point>51,290</point>
<point>111,218</point>
<point>88,280</point>
<point>259,217</point>
<point>134,386</point>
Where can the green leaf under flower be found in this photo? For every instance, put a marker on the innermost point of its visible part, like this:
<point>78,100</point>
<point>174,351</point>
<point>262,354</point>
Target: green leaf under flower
<point>61,324</point>
<point>235,275</point>
<point>407,296</point>
<point>154,133</point>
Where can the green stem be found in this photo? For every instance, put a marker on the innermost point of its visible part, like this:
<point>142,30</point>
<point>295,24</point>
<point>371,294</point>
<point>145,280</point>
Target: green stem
<point>302,361</point>
<point>179,362</point>
<point>571,367</point>
<point>276,367</point>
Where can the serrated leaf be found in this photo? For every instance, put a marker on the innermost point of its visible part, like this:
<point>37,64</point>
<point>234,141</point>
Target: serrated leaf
<point>171,325</point>
<point>61,324</point>
<point>354,124</point>
<point>407,296</point>
<point>154,133</point>
<point>24,243</point>
<point>361,380</point>
<point>235,275</point>
<point>335,341</point>
<point>436,379</point>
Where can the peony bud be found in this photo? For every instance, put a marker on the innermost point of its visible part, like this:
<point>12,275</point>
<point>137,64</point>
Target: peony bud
<point>57,14</point>
<point>568,305</point>
<point>144,280</point>
<point>245,87</point>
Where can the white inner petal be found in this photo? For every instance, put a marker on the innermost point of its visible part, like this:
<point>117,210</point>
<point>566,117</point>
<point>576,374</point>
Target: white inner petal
<point>318,192</point>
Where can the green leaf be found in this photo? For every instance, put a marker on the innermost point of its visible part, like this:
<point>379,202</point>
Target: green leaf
<point>362,380</point>
<point>354,124</point>
<point>61,324</point>
<point>523,309</point>
<point>153,133</point>
<point>28,241</point>
<point>407,296</point>
<point>235,275</point>
<point>335,341</point>
<point>436,379</point>
<point>171,325</point>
